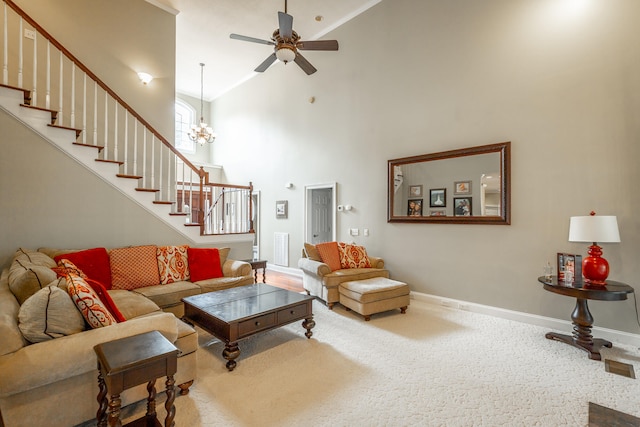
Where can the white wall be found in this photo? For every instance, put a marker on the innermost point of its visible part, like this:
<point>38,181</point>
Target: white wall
<point>558,78</point>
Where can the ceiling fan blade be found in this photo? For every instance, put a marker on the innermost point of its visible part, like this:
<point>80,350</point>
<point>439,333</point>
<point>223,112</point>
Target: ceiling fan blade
<point>318,45</point>
<point>266,63</point>
<point>304,64</point>
<point>285,25</point>
<point>251,39</point>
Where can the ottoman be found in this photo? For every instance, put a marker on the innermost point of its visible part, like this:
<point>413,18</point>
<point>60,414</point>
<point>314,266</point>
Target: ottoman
<point>375,295</point>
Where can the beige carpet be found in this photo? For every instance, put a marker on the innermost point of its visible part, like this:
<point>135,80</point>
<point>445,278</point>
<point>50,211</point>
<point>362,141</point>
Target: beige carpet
<point>434,366</point>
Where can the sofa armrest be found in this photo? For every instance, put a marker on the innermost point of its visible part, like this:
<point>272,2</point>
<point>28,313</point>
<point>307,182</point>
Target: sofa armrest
<point>43,363</point>
<point>376,262</point>
<point>235,268</point>
<point>315,268</point>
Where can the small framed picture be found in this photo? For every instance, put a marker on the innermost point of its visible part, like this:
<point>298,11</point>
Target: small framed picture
<point>281,209</point>
<point>569,268</point>
<point>415,191</point>
<point>462,206</point>
<point>462,187</point>
<point>438,198</point>
<point>437,212</point>
<point>414,207</point>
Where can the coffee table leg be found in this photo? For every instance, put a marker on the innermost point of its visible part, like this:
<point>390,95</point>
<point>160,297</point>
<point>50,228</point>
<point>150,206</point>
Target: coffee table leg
<point>308,324</point>
<point>151,398</point>
<point>103,403</point>
<point>169,406</point>
<point>231,352</point>
<point>114,411</point>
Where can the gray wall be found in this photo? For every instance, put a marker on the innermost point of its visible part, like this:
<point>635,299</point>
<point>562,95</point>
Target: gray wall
<point>413,77</point>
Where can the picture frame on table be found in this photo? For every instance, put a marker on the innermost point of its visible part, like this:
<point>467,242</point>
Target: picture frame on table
<point>461,188</point>
<point>572,263</point>
<point>462,206</point>
<point>282,207</point>
<point>415,191</point>
<point>438,198</point>
<point>414,207</point>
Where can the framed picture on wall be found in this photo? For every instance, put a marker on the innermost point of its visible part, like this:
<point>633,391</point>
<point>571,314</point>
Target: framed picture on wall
<point>462,187</point>
<point>438,198</point>
<point>414,207</point>
<point>415,191</point>
<point>281,209</point>
<point>462,206</point>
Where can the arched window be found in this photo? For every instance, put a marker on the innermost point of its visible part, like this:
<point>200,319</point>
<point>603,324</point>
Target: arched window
<point>185,117</point>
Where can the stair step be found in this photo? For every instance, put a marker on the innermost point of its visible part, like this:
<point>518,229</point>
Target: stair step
<point>77,131</point>
<point>149,190</point>
<point>121,175</point>
<point>178,213</point>
<point>26,93</point>
<point>162,202</point>
<point>110,161</point>
<point>192,224</point>
<point>54,113</point>
<point>99,147</point>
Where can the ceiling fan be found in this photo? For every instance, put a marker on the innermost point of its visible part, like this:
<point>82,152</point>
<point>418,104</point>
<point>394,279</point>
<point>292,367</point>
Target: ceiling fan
<point>287,44</point>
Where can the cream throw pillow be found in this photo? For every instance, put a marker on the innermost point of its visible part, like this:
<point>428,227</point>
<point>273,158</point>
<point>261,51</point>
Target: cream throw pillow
<point>49,313</point>
<point>30,271</point>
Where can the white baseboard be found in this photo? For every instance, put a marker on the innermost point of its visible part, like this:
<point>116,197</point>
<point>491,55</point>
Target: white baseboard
<point>532,319</point>
<point>294,271</point>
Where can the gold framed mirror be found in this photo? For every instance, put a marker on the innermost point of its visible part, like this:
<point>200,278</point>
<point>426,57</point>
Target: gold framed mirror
<point>465,186</point>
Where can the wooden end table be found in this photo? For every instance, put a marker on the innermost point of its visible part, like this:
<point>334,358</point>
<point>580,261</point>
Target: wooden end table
<point>581,316</point>
<point>127,362</point>
<point>257,264</point>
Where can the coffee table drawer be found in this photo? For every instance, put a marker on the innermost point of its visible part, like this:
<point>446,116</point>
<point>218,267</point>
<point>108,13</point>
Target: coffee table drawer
<point>293,313</point>
<point>248,327</point>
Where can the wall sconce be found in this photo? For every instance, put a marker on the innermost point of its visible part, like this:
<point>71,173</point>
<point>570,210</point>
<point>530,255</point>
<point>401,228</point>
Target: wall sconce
<point>145,78</point>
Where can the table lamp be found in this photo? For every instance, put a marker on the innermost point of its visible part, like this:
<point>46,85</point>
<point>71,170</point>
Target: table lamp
<point>593,228</point>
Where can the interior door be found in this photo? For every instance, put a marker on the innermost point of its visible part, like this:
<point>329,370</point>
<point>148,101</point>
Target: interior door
<point>321,215</point>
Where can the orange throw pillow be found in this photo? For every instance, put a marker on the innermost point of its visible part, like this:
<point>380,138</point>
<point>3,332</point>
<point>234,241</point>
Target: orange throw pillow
<point>173,263</point>
<point>134,267</point>
<point>88,302</point>
<point>353,256</point>
<point>330,254</point>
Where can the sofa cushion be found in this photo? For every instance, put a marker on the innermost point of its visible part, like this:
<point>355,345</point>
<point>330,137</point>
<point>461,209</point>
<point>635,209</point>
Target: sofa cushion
<point>88,302</point>
<point>49,313</point>
<point>204,263</point>
<point>30,271</point>
<point>11,339</point>
<point>173,263</point>
<point>224,254</point>
<point>168,295</point>
<point>220,283</point>
<point>312,252</point>
<point>131,304</point>
<point>330,254</point>
<point>93,262</point>
<point>134,267</point>
<point>353,256</point>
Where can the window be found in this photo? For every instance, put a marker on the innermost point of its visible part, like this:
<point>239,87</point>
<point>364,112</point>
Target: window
<point>185,117</point>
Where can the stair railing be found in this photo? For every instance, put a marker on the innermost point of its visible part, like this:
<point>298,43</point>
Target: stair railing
<point>61,83</point>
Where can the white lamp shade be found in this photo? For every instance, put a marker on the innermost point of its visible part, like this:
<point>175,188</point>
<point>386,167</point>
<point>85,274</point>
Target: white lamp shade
<point>285,54</point>
<point>594,228</point>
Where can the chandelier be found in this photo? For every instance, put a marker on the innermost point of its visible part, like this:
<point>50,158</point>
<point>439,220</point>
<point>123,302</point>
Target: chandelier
<point>202,133</point>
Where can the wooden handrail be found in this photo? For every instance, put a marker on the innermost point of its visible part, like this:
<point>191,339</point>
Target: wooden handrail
<point>103,85</point>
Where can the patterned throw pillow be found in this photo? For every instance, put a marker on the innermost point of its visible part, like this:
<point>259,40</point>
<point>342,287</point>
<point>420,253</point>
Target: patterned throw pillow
<point>134,267</point>
<point>93,262</point>
<point>204,263</point>
<point>93,310</point>
<point>48,314</point>
<point>353,256</point>
<point>329,254</point>
<point>65,267</point>
<point>173,263</point>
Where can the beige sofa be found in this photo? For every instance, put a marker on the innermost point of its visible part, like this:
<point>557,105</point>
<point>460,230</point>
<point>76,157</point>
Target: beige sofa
<point>319,280</point>
<point>56,380</point>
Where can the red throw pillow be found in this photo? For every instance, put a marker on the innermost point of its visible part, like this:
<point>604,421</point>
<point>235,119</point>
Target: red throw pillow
<point>93,262</point>
<point>204,263</point>
<point>104,296</point>
<point>330,254</point>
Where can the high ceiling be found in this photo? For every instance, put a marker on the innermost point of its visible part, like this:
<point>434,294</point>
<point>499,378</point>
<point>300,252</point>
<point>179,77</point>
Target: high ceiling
<point>203,28</point>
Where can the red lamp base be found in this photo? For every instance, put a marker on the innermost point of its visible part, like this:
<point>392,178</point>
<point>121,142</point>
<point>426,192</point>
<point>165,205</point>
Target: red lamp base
<point>595,269</point>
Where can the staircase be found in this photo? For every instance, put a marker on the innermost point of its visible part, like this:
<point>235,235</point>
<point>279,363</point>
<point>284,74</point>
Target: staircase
<point>84,118</point>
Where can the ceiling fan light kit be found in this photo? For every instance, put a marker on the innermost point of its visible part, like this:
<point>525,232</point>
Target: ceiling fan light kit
<point>202,133</point>
<point>287,45</point>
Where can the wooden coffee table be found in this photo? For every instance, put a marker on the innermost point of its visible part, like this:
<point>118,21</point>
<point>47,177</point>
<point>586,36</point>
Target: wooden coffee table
<point>237,313</point>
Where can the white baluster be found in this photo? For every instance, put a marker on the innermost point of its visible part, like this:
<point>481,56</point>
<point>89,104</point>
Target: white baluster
<point>5,48</point>
<point>47,96</point>
<point>153,160</point>
<point>135,149</point>
<point>106,126</point>
<point>95,115</point>
<point>73,97</point>
<point>115,130</point>
<point>34,90</point>
<point>126,141</point>
<point>84,108</point>
<point>60,120</point>
<point>20,52</point>
<point>160,176</point>
<point>144,156</point>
